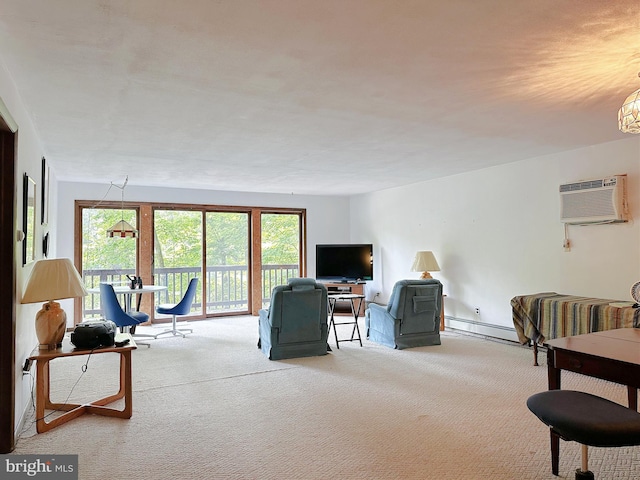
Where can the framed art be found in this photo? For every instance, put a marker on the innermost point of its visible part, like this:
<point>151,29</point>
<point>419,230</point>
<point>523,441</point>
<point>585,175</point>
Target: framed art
<point>44,194</point>
<point>29,220</point>
<point>45,245</point>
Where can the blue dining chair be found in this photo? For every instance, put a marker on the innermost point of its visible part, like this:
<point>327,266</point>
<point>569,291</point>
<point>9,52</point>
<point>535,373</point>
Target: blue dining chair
<point>181,308</point>
<point>112,310</point>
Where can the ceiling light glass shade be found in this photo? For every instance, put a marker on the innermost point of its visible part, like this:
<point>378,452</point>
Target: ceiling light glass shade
<point>629,114</point>
<point>425,262</point>
<point>122,229</point>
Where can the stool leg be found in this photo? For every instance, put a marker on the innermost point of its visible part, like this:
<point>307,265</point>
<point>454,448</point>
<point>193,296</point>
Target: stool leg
<point>584,473</point>
<point>555,451</point>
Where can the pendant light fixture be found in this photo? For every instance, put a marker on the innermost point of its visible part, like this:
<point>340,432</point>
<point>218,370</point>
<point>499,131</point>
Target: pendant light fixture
<point>122,229</point>
<point>629,113</point>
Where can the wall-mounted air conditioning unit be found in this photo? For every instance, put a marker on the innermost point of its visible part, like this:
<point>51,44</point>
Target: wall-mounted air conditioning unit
<point>602,200</point>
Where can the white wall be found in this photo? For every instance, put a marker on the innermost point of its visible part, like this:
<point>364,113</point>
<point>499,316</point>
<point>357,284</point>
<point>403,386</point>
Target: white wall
<point>327,217</point>
<point>29,154</point>
<point>496,233</point>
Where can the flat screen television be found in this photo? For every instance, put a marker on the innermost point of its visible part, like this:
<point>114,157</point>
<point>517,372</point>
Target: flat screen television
<point>345,262</point>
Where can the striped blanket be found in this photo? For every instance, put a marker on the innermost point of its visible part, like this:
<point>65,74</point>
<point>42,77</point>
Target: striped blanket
<point>549,315</point>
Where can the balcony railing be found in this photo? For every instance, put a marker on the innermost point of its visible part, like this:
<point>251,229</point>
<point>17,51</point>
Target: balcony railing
<point>227,286</point>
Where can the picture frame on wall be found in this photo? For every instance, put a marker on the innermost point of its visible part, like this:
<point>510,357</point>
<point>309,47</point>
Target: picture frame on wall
<point>45,245</point>
<point>44,193</point>
<point>29,214</point>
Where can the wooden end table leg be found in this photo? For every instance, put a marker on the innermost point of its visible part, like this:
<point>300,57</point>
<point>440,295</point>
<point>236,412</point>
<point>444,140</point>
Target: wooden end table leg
<point>98,407</point>
<point>125,380</point>
<point>42,393</point>
<point>553,373</point>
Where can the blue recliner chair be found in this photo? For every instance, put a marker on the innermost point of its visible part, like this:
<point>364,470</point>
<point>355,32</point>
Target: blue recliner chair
<point>181,308</point>
<point>296,323</point>
<point>412,317</point>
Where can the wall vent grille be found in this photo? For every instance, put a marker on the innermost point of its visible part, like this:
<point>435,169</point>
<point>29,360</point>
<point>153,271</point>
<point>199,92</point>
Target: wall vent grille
<point>602,200</point>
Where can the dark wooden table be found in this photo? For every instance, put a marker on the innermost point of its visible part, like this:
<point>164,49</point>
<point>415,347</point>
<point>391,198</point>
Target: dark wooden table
<point>612,355</point>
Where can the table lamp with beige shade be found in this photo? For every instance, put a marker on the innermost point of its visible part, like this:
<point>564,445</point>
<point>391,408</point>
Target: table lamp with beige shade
<point>52,279</point>
<point>425,262</point>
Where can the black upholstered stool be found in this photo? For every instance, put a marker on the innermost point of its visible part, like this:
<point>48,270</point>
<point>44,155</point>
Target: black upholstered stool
<point>586,419</point>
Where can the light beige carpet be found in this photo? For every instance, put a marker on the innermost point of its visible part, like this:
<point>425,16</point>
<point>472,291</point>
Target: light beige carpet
<point>211,406</point>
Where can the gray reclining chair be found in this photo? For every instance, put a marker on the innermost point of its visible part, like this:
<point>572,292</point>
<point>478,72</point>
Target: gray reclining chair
<point>412,317</point>
<point>296,323</point>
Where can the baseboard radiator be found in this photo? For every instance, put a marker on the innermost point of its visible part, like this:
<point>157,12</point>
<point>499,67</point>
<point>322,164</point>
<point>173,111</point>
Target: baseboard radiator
<point>481,328</point>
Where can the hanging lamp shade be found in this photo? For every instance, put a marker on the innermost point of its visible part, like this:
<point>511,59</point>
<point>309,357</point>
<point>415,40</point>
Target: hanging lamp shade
<point>122,229</point>
<point>629,114</point>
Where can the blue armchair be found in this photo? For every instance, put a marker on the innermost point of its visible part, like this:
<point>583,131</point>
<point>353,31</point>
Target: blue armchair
<point>296,323</point>
<point>111,310</point>
<point>412,317</point>
<point>183,307</point>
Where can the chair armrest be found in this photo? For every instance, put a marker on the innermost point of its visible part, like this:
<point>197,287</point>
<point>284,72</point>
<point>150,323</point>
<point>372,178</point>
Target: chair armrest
<point>375,306</point>
<point>263,315</point>
<point>378,318</point>
<point>378,313</point>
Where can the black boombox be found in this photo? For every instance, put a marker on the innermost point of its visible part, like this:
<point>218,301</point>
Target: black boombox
<point>94,334</point>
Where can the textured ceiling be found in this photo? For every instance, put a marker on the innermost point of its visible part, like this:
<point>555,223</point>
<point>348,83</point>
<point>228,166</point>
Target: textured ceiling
<point>315,97</point>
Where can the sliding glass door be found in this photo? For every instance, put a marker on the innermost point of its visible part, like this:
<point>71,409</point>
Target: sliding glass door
<point>281,247</point>
<point>105,259</point>
<point>239,253</point>
<point>227,240</point>
<point>177,254</point>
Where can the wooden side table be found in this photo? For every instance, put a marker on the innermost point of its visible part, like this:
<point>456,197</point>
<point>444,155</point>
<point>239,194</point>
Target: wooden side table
<point>97,407</point>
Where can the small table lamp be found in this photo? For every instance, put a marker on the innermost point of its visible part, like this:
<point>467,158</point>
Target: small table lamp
<point>50,280</point>
<point>425,262</point>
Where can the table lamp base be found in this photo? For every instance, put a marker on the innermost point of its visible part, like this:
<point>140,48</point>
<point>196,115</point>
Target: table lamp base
<point>51,324</point>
